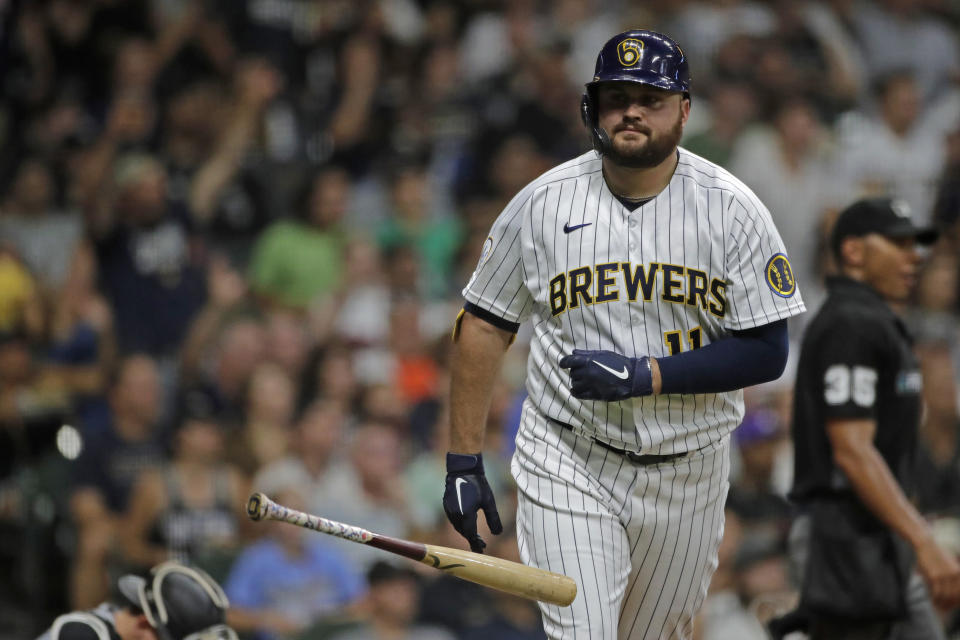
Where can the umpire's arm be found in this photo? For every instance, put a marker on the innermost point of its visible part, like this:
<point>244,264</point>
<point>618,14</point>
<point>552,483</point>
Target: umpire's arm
<point>478,351</point>
<point>855,454</point>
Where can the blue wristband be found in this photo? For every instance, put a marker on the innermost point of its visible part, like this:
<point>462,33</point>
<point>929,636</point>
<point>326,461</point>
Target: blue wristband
<point>464,462</point>
<point>642,379</point>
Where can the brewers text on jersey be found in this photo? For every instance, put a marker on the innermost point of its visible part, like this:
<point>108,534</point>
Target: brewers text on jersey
<point>605,282</point>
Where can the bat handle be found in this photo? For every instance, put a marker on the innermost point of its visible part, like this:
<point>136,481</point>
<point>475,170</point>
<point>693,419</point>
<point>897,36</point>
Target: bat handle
<point>257,506</point>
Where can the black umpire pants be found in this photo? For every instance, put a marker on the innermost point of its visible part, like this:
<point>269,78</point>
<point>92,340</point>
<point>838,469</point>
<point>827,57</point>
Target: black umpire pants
<point>921,622</point>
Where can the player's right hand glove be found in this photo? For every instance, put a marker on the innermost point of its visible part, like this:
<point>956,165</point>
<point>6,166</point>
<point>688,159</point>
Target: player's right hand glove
<point>468,491</point>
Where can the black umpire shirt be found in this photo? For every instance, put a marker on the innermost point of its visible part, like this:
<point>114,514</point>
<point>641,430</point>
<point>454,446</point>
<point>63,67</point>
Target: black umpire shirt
<point>856,362</point>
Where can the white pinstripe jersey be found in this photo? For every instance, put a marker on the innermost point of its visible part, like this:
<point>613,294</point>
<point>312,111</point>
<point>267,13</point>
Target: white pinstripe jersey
<point>701,259</point>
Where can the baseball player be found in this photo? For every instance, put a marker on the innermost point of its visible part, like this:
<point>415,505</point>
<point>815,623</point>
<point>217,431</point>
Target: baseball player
<point>657,287</point>
<point>178,603</point>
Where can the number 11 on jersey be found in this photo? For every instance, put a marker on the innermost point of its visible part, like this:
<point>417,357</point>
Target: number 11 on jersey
<point>672,340</point>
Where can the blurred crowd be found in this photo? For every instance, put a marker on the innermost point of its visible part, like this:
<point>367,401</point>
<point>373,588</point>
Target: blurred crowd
<point>233,235</point>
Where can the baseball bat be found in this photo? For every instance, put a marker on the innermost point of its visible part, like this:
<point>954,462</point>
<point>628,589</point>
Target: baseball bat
<point>497,573</point>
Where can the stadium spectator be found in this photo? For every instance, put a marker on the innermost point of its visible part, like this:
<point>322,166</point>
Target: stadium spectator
<point>938,463</point>
<point>899,151</point>
<point>312,462</point>
<point>761,438</point>
<point>225,189</point>
<point>21,303</point>
<point>331,376</point>
<point>223,346</point>
<point>45,238</point>
<point>415,369</point>
<point>946,210</point>
<point>297,261</point>
<point>149,267</point>
<point>82,345</point>
<point>414,222</point>
<point>288,341</point>
<point>926,45</point>
<point>360,313</point>
<point>724,614</point>
<point>790,167</point>
<point>391,604</point>
<point>265,434</point>
<point>370,489</point>
<point>708,24</point>
<point>34,399</point>
<point>732,107</point>
<point>291,579</point>
<point>113,457</point>
<point>186,510</point>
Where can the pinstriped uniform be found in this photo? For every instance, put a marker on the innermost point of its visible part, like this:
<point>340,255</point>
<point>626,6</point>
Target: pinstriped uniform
<point>639,540</point>
<point>698,261</point>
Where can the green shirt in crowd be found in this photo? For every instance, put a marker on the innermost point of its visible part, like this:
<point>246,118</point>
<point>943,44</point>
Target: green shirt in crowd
<point>295,263</point>
<point>436,244</point>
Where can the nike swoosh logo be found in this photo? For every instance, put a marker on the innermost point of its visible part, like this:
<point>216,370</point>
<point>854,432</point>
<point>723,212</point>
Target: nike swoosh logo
<point>459,482</point>
<point>620,374</point>
<point>567,228</point>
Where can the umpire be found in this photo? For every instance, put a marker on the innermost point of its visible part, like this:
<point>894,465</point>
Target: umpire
<point>856,414</point>
<point>177,603</point>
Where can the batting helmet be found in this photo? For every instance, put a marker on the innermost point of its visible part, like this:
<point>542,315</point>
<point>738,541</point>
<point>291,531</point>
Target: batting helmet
<point>640,56</point>
<point>180,602</point>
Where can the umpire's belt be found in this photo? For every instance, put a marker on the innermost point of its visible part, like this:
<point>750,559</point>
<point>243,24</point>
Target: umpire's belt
<point>632,456</point>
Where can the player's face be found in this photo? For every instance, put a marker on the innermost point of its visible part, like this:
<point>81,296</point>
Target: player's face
<point>890,265</point>
<point>644,123</point>
<point>133,625</point>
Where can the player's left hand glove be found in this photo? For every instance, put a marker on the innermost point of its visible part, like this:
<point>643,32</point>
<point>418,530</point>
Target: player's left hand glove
<point>605,375</point>
<point>467,492</point>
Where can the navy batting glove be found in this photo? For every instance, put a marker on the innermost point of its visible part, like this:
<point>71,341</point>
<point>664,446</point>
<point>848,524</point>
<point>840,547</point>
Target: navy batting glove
<point>468,491</point>
<point>605,375</point>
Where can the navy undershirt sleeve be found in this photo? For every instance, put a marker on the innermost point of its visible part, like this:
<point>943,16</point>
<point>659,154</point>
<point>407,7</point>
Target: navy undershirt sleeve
<point>743,359</point>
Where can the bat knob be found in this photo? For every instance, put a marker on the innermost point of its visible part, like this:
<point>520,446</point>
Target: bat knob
<point>257,506</point>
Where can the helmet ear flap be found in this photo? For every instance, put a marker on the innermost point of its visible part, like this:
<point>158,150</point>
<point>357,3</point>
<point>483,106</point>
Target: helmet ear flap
<point>588,113</point>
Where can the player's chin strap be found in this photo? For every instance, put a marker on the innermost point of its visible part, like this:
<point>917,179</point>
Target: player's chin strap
<point>159,622</point>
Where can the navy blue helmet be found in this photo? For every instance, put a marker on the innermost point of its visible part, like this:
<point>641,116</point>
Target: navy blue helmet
<point>640,56</point>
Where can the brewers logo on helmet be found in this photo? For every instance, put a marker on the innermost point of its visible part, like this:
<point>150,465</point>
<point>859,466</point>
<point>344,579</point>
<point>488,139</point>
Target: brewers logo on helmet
<point>628,51</point>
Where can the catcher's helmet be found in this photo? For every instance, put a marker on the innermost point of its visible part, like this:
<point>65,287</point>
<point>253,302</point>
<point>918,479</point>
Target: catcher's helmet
<point>640,56</point>
<point>180,602</point>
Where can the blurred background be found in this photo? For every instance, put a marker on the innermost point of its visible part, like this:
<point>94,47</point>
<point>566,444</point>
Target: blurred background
<point>233,235</point>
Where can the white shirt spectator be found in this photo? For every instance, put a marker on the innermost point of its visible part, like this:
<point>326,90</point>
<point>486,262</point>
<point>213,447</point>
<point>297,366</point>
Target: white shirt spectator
<point>875,161</point>
<point>46,243</point>
<point>724,618</point>
<point>796,196</point>
<point>912,40</point>
<point>703,26</point>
